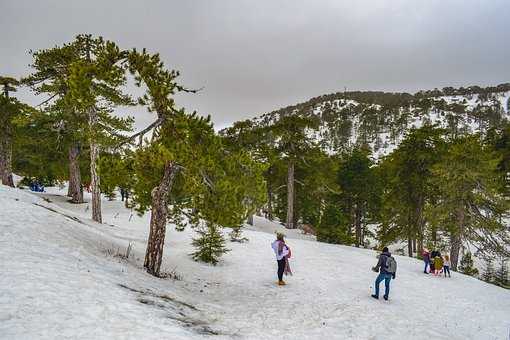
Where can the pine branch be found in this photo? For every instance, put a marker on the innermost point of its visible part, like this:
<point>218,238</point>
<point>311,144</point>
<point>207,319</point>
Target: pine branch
<point>47,100</point>
<point>140,134</point>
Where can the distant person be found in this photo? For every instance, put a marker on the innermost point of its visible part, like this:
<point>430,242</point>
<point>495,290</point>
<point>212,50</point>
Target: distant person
<point>446,265</point>
<point>281,251</point>
<point>387,268</point>
<point>438,264</point>
<point>426,258</point>
<point>433,255</point>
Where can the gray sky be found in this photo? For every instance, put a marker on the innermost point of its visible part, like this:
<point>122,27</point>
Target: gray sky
<point>253,57</point>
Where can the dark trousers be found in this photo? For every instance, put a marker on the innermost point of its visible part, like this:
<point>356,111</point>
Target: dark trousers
<point>446,269</point>
<point>281,268</point>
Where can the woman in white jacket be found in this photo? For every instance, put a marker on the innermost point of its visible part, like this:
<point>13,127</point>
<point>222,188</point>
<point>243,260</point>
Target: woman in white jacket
<point>281,251</point>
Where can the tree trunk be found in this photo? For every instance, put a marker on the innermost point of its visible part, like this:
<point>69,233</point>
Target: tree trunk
<point>159,212</point>
<point>94,176</point>
<point>6,160</point>
<point>290,195</point>
<point>75,190</point>
<point>250,219</point>
<point>357,225</point>
<point>414,245</point>
<point>455,239</point>
<point>420,245</point>
<point>126,204</point>
<point>410,246</point>
<point>269,203</point>
<point>94,184</point>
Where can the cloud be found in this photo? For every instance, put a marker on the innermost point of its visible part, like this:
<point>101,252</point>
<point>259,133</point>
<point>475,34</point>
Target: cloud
<point>253,57</point>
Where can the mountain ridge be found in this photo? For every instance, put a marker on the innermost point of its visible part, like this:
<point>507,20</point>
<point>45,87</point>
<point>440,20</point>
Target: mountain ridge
<point>381,119</point>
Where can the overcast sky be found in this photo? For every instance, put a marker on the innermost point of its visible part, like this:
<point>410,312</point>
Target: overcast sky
<point>253,57</point>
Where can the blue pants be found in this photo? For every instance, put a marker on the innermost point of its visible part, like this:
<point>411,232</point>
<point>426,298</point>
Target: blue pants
<point>387,278</point>
<point>426,265</point>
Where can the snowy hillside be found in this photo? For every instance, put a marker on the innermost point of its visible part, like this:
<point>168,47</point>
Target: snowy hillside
<point>61,278</point>
<point>381,119</point>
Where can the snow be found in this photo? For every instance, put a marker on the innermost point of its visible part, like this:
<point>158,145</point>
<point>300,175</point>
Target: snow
<point>61,280</point>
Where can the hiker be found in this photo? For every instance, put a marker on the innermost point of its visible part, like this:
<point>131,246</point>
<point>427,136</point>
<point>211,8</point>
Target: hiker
<point>123,194</point>
<point>433,255</point>
<point>387,268</point>
<point>426,258</point>
<point>446,265</point>
<point>438,264</point>
<point>282,252</point>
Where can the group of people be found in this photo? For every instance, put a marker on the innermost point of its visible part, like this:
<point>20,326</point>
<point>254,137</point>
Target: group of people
<point>436,263</point>
<point>386,266</point>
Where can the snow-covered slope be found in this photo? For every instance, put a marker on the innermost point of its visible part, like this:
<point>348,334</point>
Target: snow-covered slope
<point>381,120</point>
<point>60,280</point>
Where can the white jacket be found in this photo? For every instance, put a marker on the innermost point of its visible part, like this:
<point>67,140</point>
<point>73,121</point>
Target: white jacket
<point>285,250</point>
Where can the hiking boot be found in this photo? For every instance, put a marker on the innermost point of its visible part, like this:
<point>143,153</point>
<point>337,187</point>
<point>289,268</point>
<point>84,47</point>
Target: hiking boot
<point>375,296</point>
<point>281,283</point>
<point>385,297</point>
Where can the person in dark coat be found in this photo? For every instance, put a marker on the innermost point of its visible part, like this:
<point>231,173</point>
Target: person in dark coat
<point>384,274</point>
<point>433,255</point>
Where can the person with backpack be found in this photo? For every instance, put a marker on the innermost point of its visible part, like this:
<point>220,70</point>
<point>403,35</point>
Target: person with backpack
<point>438,264</point>
<point>387,268</point>
<point>282,252</point>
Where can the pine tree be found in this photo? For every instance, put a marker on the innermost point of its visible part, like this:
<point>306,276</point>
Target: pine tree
<point>334,226</point>
<point>501,276</point>
<point>360,191</point>
<point>407,174</point>
<point>466,265</point>
<point>210,244</point>
<point>12,114</point>
<point>94,89</point>
<point>469,202</point>
<point>293,142</point>
<point>186,169</point>
<point>49,79</point>
<point>489,272</point>
<point>83,81</point>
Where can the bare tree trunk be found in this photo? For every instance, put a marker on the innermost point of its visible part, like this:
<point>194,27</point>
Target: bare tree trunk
<point>357,225</point>
<point>94,183</point>
<point>126,204</point>
<point>250,219</point>
<point>290,195</point>
<point>409,246</point>
<point>269,203</point>
<point>75,190</point>
<point>6,160</point>
<point>455,239</point>
<point>414,245</point>
<point>352,219</point>
<point>411,224</point>
<point>418,244</point>
<point>159,212</point>
<point>94,176</point>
